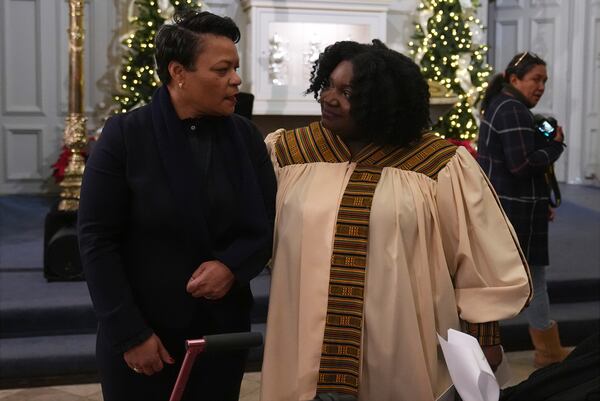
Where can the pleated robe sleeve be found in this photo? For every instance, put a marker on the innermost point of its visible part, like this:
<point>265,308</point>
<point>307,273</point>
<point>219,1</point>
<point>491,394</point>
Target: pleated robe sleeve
<point>270,140</point>
<point>488,269</point>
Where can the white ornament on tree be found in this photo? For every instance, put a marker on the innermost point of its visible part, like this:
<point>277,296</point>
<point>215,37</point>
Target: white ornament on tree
<point>423,19</point>
<point>477,36</point>
<point>166,9</point>
<point>466,4</point>
<point>464,80</point>
<point>462,72</point>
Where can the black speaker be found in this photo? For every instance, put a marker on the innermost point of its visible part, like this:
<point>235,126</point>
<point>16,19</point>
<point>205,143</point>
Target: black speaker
<point>244,105</point>
<point>61,250</point>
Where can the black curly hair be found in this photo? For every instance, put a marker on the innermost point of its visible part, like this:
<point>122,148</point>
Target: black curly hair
<point>390,97</point>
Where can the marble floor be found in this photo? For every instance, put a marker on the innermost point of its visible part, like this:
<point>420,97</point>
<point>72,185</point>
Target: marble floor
<point>520,364</point>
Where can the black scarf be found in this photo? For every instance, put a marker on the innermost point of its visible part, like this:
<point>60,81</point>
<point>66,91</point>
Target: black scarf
<point>253,231</point>
<point>511,90</point>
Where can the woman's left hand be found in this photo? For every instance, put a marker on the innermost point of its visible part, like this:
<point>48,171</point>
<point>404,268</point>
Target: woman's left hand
<point>493,354</point>
<point>211,280</point>
<point>560,134</point>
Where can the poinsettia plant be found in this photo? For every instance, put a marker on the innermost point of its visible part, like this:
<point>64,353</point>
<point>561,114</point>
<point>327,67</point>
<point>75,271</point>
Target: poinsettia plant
<point>59,167</point>
<point>61,164</point>
<point>465,143</point>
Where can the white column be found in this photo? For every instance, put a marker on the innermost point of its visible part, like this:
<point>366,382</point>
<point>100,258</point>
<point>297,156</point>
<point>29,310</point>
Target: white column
<point>574,130</point>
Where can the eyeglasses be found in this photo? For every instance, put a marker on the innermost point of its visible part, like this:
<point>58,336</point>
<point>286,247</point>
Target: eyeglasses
<point>533,55</point>
<point>520,59</point>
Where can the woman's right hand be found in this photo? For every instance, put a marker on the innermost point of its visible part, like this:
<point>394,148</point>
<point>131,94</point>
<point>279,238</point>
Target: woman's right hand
<point>148,357</point>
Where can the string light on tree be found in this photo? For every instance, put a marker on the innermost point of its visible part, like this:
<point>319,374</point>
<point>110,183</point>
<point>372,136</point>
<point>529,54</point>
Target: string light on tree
<point>138,80</point>
<point>448,44</point>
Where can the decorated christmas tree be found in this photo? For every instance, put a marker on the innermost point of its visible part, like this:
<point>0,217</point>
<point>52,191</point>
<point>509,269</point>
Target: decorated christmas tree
<point>449,45</point>
<point>138,79</point>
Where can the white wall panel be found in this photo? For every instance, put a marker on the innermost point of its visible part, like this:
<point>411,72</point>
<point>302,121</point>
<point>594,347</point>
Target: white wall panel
<point>543,42</point>
<point>593,76</point>
<point>507,4</point>
<point>507,42</point>
<point>545,3</point>
<point>22,78</point>
<point>23,153</point>
<point>542,39</point>
<point>591,113</point>
<point>549,38</point>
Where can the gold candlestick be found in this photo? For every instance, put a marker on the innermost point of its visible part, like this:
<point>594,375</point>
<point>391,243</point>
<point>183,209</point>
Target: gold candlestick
<point>74,136</point>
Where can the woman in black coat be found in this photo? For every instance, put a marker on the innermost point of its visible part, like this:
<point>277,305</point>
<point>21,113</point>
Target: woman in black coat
<point>516,156</point>
<point>175,218</point>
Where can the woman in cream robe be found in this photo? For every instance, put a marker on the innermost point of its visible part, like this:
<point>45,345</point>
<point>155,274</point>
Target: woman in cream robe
<point>440,251</point>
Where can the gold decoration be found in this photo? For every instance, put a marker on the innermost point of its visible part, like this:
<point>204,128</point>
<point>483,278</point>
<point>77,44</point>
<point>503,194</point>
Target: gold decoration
<point>441,99</point>
<point>437,90</point>
<point>74,136</point>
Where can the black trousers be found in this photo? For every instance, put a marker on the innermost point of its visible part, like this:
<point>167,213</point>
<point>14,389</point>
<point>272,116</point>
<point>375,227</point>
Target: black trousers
<point>215,376</point>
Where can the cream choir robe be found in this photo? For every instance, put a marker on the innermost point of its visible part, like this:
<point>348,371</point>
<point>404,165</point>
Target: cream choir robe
<point>439,250</point>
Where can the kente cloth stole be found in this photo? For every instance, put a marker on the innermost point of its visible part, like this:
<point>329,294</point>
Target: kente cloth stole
<point>340,355</point>
<point>339,369</point>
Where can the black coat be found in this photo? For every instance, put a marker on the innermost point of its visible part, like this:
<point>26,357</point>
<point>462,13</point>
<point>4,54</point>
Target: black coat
<point>575,378</point>
<point>515,158</point>
<point>142,222</point>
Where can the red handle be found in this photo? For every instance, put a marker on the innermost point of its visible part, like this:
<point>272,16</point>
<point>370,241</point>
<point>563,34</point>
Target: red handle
<point>194,347</point>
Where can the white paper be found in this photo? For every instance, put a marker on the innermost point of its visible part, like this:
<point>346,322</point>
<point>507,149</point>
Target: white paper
<point>471,374</point>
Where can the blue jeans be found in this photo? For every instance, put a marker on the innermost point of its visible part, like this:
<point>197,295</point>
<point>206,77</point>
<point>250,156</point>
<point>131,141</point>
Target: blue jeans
<point>538,311</point>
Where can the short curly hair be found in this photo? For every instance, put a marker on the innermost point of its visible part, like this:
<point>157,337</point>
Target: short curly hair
<point>390,97</point>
